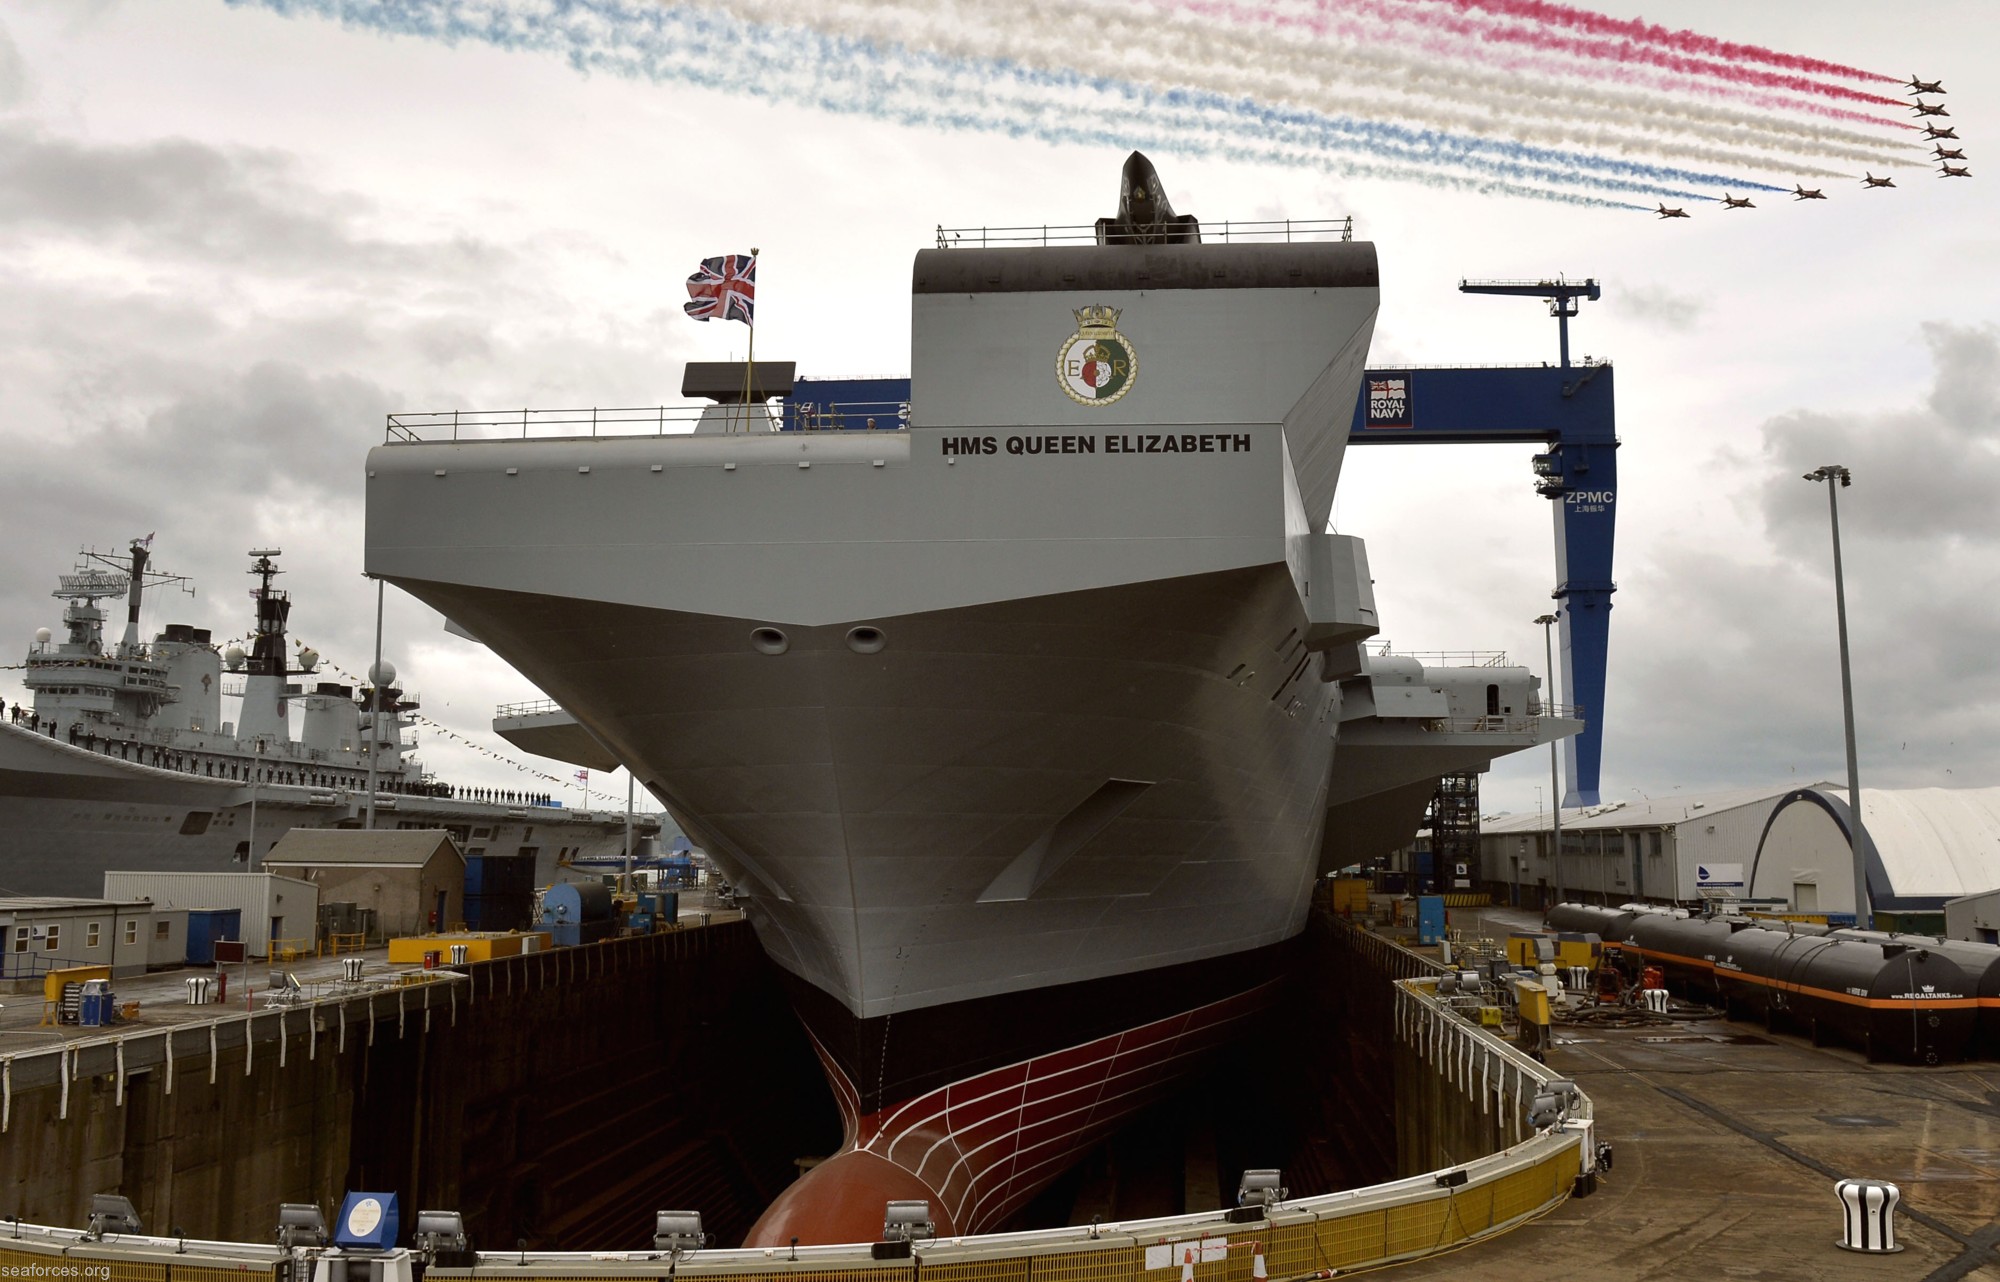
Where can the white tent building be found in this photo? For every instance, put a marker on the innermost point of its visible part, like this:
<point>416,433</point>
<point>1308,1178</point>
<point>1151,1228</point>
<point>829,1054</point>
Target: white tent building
<point>1922,846</point>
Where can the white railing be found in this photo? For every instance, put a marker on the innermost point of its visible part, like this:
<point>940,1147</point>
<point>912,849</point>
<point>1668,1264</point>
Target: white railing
<point>1384,649</point>
<point>530,708</point>
<point>1227,232</point>
<point>412,427</point>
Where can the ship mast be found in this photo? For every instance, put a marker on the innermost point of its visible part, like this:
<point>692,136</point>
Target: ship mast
<point>264,716</point>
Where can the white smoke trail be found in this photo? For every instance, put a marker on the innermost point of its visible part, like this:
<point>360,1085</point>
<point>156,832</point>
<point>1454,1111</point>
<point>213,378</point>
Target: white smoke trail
<point>1060,37</point>
<point>851,77</point>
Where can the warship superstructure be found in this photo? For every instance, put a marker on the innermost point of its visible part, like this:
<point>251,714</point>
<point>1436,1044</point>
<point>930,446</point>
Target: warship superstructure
<point>124,761</point>
<point>1020,728</point>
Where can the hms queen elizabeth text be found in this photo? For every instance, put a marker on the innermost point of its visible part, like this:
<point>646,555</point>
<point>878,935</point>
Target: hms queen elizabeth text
<point>1113,443</point>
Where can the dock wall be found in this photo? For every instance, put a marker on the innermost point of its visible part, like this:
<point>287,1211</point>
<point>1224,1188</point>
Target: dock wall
<point>557,1098</point>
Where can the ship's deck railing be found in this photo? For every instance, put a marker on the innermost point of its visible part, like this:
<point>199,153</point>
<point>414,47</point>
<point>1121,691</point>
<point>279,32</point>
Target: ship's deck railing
<point>1497,723</point>
<point>526,424</point>
<point>1439,658</point>
<point>645,420</point>
<point>530,708</point>
<point>1398,367</point>
<point>1227,232</point>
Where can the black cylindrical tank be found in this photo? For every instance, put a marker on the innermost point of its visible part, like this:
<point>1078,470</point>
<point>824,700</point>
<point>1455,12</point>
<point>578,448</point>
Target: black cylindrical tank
<point>1685,948</point>
<point>1981,964</point>
<point>1890,1000</point>
<point>1588,919</point>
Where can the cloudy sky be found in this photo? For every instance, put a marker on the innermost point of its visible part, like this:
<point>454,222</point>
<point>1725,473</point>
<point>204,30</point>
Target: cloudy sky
<point>233,238</point>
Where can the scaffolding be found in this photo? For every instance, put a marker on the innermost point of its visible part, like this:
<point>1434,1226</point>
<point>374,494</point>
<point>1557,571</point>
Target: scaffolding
<point>1454,823</point>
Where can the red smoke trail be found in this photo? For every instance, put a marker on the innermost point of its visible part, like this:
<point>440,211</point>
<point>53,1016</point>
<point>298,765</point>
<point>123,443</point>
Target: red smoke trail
<point>1626,52</point>
<point>1447,39</point>
<point>1690,42</point>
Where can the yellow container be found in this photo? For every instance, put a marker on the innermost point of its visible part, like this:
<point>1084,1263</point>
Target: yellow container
<point>1525,948</point>
<point>1533,1001</point>
<point>1350,896</point>
<point>479,946</point>
<point>52,983</point>
<point>1573,949</point>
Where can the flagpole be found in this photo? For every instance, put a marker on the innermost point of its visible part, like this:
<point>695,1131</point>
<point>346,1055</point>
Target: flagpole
<point>750,359</point>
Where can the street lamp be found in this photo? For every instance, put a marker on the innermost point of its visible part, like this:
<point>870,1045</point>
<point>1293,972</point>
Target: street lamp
<point>1555,787</point>
<point>1863,917</point>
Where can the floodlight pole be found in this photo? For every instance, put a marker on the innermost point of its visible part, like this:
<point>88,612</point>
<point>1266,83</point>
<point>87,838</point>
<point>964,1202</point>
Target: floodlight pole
<point>1555,765</point>
<point>1864,917</point>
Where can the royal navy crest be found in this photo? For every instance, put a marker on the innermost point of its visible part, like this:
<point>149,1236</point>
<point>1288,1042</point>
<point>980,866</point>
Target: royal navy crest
<point>1096,365</point>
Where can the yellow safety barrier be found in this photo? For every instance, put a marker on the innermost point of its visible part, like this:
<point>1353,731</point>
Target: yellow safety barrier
<point>291,949</point>
<point>338,944</point>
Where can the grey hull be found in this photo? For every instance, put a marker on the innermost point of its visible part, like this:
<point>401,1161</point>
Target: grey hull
<point>1004,796</point>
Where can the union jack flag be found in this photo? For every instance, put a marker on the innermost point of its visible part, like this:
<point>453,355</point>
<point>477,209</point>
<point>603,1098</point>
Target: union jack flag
<point>724,287</point>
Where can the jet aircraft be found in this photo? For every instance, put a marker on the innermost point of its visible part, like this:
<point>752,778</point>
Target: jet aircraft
<point>1807,193</point>
<point>1943,154</point>
<point>1926,86</point>
<point>1956,171</point>
<point>1872,181</point>
<point>1673,213</point>
<point>1736,202</point>
<point>1923,108</point>
<point>1933,131</point>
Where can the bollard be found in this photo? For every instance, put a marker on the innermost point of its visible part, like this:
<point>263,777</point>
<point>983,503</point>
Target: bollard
<point>1869,1208</point>
<point>197,986</point>
<point>1656,1000</point>
<point>459,954</point>
<point>1578,978</point>
<point>350,969</point>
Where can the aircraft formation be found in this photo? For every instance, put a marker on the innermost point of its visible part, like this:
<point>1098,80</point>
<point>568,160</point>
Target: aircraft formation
<point>1935,134</point>
<point>1932,133</point>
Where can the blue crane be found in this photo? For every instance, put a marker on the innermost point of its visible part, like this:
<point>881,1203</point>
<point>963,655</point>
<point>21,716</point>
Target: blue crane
<point>1569,408</point>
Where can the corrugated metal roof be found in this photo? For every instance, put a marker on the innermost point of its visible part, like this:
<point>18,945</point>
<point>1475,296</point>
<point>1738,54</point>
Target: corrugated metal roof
<point>1645,812</point>
<point>396,847</point>
<point>139,881</point>
<point>57,903</point>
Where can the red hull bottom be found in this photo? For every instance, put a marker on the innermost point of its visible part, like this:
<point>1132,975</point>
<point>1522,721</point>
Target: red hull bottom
<point>979,1148</point>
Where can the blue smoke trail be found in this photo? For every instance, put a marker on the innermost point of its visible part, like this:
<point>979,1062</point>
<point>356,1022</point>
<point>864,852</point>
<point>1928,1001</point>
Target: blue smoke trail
<point>851,76</point>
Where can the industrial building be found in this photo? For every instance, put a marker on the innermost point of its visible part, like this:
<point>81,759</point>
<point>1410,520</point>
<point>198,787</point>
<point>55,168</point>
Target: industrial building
<point>1675,848</point>
<point>412,880</point>
<point>46,933</point>
<point>273,907</point>
<point>1923,846</point>
<point>1974,917</point>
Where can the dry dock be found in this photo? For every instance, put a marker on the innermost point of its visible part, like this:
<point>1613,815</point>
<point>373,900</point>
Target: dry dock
<point>1728,1140</point>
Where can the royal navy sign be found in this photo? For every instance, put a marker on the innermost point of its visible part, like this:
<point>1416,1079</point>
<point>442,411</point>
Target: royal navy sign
<point>1389,401</point>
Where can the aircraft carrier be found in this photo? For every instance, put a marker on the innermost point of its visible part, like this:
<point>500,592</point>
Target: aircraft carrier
<point>1024,730</point>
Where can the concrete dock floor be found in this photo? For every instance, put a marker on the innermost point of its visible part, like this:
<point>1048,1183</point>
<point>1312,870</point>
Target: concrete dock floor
<point>1728,1138</point>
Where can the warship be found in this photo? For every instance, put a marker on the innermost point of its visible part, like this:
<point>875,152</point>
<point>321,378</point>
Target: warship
<point>123,760</point>
<point>1023,720</point>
